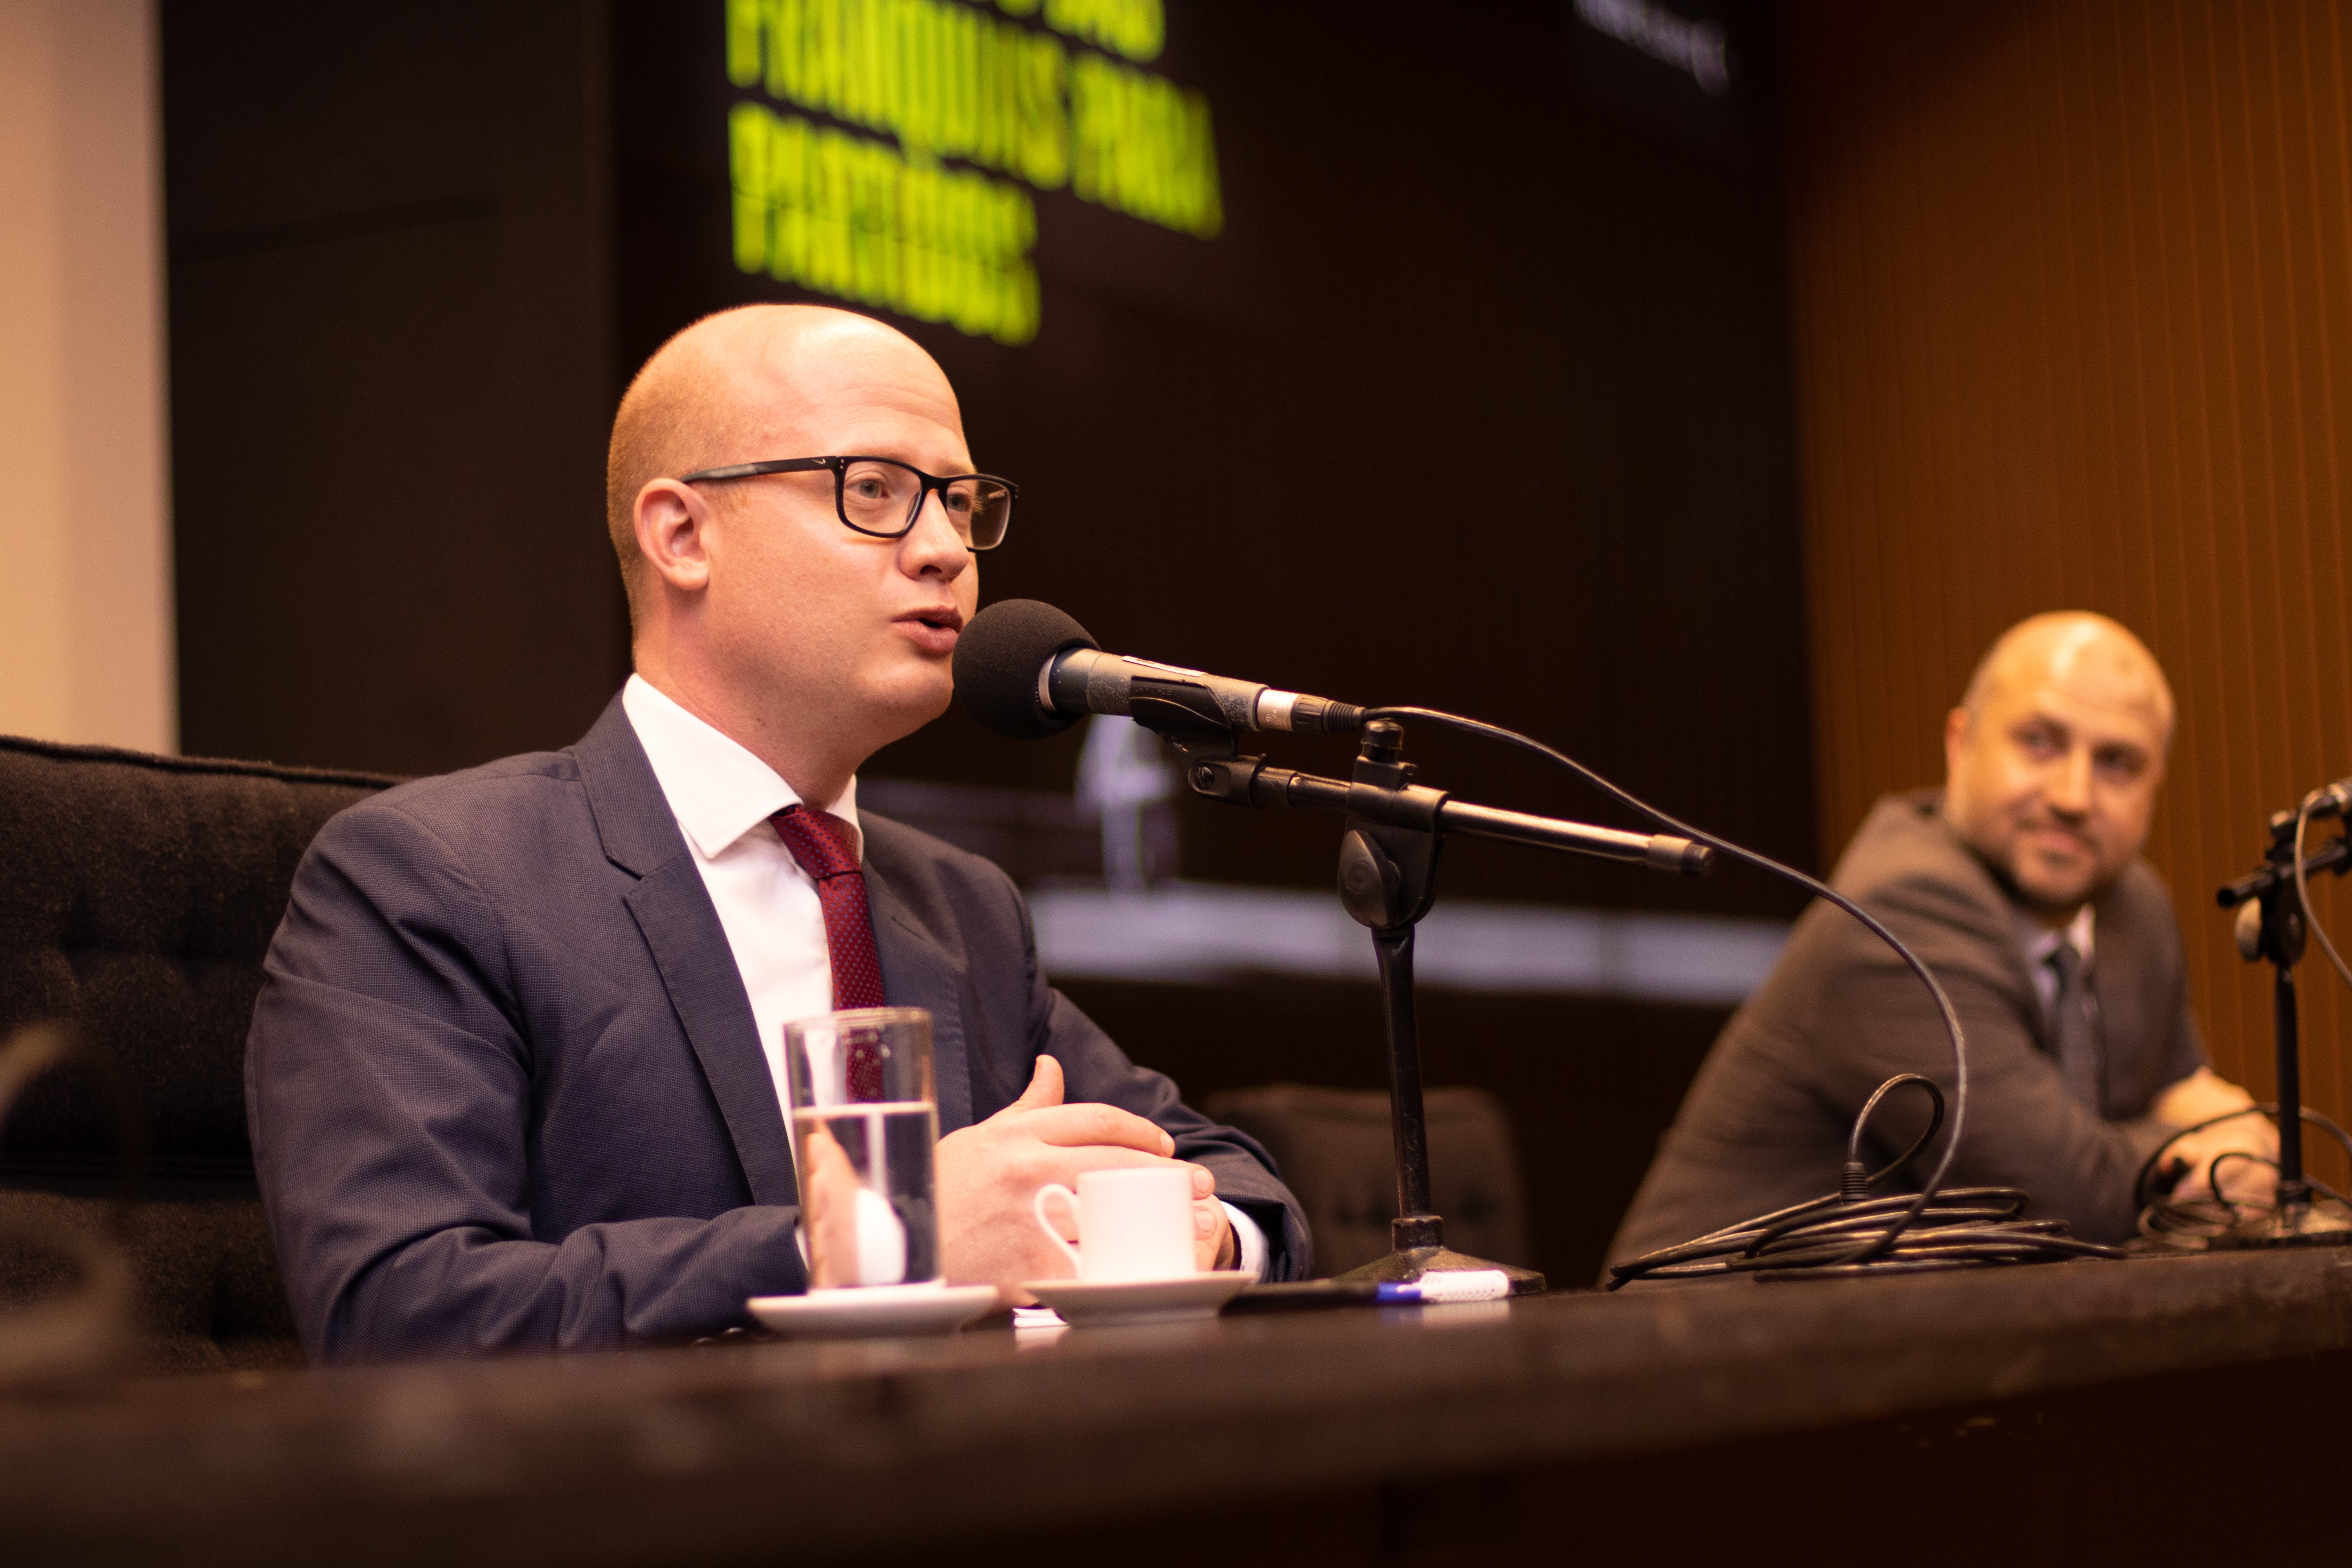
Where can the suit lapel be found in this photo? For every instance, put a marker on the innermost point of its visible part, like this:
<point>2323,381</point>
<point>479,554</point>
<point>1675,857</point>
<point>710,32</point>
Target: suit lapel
<point>917,972</point>
<point>675,915</point>
<point>1991,911</point>
<point>673,910</point>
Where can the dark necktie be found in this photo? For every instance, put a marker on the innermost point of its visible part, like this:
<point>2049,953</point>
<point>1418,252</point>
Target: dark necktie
<point>827,848</point>
<point>2074,1037</point>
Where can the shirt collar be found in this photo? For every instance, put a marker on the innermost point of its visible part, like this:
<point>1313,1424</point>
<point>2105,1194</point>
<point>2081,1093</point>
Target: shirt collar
<point>2041,942</point>
<point>716,788</point>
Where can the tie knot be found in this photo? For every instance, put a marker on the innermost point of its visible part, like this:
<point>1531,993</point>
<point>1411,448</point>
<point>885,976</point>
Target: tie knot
<point>2066,960</point>
<point>825,845</point>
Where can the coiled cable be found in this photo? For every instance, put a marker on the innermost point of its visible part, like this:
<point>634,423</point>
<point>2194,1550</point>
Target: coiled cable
<point>1959,1227</point>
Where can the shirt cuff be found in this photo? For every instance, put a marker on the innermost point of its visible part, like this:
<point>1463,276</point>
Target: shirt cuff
<point>1249,1242</point>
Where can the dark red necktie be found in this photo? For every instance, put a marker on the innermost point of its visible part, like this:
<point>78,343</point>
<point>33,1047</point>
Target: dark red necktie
<point>827,848</point>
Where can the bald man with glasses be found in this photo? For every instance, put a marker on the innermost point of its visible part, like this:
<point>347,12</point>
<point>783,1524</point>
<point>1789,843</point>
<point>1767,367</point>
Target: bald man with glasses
<point>514,1079</point>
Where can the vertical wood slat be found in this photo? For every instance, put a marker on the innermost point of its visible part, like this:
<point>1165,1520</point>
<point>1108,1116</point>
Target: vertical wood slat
<point>2073,317</point>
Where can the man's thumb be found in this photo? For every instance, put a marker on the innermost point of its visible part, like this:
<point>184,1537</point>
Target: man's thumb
<point>1044,1087</point>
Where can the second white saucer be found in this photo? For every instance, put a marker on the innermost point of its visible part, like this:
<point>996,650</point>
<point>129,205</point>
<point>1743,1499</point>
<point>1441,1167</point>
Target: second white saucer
<point>932,1307</point>
<point>1097,1302</point>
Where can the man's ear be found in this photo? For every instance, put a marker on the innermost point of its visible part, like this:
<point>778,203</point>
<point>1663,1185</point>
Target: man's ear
<point>1957,725</point>
<point>673,522</point>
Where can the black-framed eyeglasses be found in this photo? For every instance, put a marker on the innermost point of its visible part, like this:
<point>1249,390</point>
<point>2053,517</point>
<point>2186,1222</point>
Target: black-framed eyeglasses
<point>883,496</point>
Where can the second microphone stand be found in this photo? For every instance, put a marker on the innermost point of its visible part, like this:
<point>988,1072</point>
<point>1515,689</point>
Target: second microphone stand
<point>1388,880</point>
<point>2270,926</point>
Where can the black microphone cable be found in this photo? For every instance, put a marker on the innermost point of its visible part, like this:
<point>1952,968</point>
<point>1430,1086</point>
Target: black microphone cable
<point>1959,1227</point>
<point>2302,881</point>
<point>1847,1232</point>
<point>2189,1224</point>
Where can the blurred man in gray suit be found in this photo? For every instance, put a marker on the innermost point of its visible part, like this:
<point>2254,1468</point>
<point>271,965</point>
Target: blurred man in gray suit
<point>2019,884</point>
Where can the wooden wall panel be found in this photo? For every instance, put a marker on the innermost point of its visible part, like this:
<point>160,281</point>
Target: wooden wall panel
<point>2072,307</point>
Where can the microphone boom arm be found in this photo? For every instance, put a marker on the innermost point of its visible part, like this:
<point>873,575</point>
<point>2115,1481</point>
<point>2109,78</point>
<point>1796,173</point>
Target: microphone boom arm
<point>1388,880</point>
<point>1248,780</point>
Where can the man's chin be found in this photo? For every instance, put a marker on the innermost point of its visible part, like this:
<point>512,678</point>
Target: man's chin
<point>2056,893</point>
<point>904,707</point>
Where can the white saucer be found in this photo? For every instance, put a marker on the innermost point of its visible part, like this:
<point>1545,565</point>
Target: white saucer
<point>933,1306</point>
<point>1094,1302</point>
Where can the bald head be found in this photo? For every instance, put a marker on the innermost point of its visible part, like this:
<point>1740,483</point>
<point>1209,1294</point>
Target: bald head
<point>2053,757</point>
<point>752,603</point>
<point>732,387</point>
<point>2079,650</point>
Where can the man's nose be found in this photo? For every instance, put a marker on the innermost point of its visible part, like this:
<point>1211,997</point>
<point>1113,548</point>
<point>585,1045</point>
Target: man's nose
<point>2068,788</point>
<point>933,546</point>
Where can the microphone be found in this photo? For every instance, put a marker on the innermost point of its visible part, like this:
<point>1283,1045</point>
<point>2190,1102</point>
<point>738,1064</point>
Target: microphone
<point>1024,669</point>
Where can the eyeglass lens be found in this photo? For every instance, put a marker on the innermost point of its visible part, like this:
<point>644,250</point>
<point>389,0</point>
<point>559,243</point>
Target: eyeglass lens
<point>878,497</point>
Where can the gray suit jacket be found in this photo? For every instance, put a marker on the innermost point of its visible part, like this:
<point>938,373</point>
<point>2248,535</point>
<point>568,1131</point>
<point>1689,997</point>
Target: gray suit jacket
<point>504,1085</point>
<point>1766,1121</point>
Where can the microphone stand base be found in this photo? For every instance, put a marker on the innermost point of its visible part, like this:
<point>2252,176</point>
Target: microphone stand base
<point>1408,1265</point>
<point>2322,1224</point>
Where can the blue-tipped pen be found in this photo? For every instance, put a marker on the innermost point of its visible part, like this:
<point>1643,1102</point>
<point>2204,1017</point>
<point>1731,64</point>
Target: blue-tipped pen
<point>1467,1284</point>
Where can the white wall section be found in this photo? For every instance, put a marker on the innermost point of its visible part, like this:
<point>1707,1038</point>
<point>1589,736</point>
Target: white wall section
<point>86,621</point>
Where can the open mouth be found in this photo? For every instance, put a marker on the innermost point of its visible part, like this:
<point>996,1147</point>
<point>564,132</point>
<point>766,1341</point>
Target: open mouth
<point>934,628</point>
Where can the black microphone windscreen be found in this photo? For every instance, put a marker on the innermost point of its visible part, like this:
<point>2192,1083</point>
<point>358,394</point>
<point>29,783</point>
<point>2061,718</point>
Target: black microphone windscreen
<point>996,663</point>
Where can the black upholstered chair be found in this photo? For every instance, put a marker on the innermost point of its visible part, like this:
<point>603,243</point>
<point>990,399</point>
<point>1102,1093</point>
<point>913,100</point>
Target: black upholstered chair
<point>1338,1154</point>
<point>139,895</point>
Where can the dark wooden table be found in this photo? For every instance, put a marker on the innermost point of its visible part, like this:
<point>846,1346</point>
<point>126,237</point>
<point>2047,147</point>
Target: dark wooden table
<point>1823,1421</point>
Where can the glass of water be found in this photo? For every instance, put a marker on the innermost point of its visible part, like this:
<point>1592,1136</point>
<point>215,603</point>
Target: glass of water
<point>864,1121</point>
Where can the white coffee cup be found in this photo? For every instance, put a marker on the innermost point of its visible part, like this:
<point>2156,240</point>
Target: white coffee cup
<point>1135,1221</point>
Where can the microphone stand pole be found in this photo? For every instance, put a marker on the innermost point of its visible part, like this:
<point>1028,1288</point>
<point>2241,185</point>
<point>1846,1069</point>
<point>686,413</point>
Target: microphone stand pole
<point>1388,880</point>
<point>2270,926</point>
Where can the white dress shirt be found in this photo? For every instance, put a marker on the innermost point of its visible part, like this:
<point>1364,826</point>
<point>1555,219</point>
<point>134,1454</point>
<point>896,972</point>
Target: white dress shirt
<point>722,797</point>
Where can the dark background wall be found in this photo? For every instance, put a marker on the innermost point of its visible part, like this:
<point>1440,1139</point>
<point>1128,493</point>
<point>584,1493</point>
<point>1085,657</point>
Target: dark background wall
<point>391,364</point>
<point>1480,400</point>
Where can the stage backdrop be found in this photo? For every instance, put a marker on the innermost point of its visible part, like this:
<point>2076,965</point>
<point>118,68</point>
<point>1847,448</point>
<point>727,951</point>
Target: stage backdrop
<point>2071,331</point>
<point>1358,348</point>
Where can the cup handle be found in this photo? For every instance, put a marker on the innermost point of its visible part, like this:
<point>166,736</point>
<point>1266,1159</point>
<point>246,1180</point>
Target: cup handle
<point>1037,1208</point>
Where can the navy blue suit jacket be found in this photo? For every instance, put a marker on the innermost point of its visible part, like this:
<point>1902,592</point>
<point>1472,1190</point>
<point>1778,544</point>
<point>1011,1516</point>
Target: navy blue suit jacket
<point>504,1085</point>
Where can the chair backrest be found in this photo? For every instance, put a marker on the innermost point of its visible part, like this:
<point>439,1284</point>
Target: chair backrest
<point>139,896</point>
<point>1337,1156</point>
